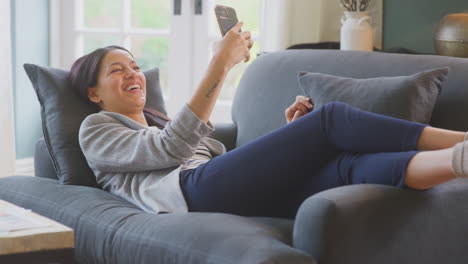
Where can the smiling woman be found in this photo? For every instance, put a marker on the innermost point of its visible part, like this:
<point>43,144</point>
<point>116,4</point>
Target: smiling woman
<point>118,143</point>
<point>180,168</point>
<point>116,85</point>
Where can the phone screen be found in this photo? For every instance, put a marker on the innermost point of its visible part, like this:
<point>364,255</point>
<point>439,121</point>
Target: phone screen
<point>227,18</point>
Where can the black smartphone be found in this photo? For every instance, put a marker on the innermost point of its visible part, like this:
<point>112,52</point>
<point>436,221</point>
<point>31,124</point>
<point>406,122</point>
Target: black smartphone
<point>227,18</point>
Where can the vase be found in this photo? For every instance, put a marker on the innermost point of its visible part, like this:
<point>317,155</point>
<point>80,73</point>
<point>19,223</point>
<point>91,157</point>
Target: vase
<point>356,31</point>
<point>451,36</point>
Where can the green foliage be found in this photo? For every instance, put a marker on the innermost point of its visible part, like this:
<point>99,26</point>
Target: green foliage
<point>103,13</point>
<point>93,41</point>
<point>150,52</point>
<point>151,13</point>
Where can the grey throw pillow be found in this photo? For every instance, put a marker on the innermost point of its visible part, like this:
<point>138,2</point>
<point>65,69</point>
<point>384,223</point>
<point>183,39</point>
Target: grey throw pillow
<point>63,110</point>
<point>406,97</point>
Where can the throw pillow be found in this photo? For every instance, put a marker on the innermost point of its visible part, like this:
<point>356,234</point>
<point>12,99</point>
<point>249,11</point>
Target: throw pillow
<point>406,97</point>
<point>63,110</point>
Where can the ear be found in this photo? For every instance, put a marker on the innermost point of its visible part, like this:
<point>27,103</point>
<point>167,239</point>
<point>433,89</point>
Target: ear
<point>93,95</point>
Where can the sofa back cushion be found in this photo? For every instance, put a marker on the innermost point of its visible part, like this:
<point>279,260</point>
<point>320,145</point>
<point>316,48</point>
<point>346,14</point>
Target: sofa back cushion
<point>63,110</point>
<point>406,97</point>
<point>270,85</point>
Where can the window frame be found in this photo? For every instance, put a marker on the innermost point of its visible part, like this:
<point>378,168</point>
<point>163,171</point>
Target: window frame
<point>67,30</point>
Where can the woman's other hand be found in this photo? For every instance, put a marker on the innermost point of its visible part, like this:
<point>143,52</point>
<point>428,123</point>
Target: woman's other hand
<point>300,107</point>
<point>234,47</point>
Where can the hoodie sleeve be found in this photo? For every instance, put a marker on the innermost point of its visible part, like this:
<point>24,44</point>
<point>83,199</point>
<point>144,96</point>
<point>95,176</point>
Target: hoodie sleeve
<point>109,145</point>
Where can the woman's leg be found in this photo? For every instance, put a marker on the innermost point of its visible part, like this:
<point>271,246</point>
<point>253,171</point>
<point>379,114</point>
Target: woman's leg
<point>435,138</point>
<point>260,178</point>
<point>417,170</point>
<point>430,168</point>
<point>349,129</point>
<point>364,132</point>
<point>386,168</point>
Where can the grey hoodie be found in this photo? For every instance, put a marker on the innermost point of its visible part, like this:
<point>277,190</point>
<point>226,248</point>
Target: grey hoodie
<point>142,164</point>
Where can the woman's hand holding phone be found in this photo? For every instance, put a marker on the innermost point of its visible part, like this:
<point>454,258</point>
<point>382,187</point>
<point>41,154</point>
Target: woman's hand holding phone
<point>234,47</point>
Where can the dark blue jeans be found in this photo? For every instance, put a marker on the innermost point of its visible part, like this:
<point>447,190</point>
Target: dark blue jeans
<point>333,146</point>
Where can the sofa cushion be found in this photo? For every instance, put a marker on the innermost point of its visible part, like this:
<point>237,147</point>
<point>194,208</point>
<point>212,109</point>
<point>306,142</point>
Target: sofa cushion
<point>109,229</point>
<point>43,166</point>
<point>62,112</point>
<point>269,85</point>
<point>406,97</point>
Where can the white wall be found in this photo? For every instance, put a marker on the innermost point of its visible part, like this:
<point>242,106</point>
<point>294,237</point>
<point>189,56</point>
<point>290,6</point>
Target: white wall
<point>7,140</point>
<point>331,20</point>
<point>287,22</point>
<point>29,34</point>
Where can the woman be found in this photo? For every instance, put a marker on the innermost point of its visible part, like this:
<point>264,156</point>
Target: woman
<point>178,168</point>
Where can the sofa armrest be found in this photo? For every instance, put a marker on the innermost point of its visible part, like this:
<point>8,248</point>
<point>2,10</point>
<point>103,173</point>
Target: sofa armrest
<point>382,224</point>
<point>43,166</point>
<point>226,133</point>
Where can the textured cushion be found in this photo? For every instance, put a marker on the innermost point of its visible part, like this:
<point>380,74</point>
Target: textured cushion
<point>43,166</point>
<point>407,97</point>
<point>62,112</point>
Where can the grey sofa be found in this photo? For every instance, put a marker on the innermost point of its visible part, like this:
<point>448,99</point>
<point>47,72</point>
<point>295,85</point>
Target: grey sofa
<point>352,224</point>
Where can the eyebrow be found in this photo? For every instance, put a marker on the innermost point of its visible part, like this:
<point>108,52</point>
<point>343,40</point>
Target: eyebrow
<point>119,63</point>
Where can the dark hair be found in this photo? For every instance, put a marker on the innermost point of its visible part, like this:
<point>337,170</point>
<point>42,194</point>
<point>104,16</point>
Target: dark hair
<point>84,71</point>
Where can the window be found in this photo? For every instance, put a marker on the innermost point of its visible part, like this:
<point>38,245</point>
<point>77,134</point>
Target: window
<point>141,26</point>
<point>180,45</point>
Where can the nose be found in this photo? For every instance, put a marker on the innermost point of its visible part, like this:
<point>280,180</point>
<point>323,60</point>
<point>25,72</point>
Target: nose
<point>130,73</point>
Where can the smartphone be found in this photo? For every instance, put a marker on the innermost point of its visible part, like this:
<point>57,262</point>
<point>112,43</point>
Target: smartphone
<point>227,18</point>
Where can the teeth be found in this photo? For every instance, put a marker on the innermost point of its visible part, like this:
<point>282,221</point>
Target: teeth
<point>135,86</point>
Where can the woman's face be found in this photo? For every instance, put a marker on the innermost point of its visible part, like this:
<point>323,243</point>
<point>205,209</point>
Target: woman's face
<point>121,86</point>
